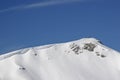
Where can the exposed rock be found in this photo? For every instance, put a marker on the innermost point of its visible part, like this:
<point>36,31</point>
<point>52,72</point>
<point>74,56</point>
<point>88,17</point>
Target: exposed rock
<point>75,48</point>
<point>89,46</point>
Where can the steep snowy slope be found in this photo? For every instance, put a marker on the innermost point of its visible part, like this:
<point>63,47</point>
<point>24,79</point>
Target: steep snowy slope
<point>84,59</point>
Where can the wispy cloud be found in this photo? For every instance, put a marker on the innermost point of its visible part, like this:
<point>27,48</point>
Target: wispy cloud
<point>41,4</point>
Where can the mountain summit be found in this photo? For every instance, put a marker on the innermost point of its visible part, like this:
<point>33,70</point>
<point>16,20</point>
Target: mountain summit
<point>84,59</point>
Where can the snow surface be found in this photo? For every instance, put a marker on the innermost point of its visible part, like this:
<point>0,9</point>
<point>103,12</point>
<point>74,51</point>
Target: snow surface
<point>84,59</point>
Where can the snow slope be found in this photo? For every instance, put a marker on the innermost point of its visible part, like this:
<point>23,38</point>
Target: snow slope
<point>84,59</point>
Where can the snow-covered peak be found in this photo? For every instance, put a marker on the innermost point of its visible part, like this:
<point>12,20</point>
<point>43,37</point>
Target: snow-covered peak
<point>84,59</point>
<point>88,40</point>
<point>80,42</point>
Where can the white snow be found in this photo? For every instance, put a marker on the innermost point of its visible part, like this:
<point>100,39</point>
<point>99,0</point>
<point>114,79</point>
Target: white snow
<point>73,60</point>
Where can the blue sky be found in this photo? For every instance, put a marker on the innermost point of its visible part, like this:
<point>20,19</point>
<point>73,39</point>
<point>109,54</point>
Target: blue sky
<point>21,28</point>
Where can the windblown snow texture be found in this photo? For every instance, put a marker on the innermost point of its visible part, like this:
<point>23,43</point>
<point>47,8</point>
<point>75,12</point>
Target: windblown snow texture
<point>84,59</point>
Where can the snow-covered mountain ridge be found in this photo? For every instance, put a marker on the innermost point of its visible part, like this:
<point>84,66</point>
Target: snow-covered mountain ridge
<point>84,59</point>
